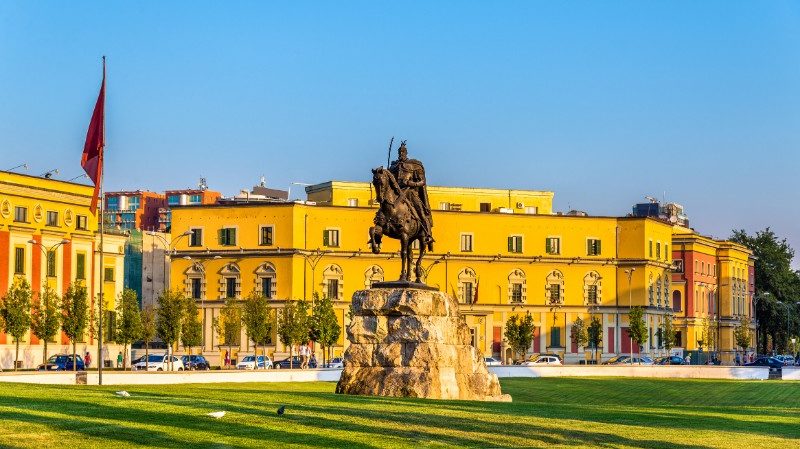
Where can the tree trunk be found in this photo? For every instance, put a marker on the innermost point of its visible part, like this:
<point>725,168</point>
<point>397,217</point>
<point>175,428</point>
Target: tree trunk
<point>146,355</point>
<point>74,356</point>
<point>44,356</point>
<point>16,357</point>
<point>291,356</point>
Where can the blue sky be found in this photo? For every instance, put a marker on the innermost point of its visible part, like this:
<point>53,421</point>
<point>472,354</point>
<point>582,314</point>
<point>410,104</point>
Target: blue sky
<point>601,102</point>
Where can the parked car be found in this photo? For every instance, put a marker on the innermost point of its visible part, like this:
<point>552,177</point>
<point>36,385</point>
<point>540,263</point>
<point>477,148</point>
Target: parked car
<point>771,362</point>
<point>491,361</point>
<point>336,362</point>
<point>195,363</point>
<point>284,364</point>
<point>249,362</point>
<point>158,362</point>
<point>62,362</point>
<point>543,360</point>
<point>641,360</point>
<point>788,360</point>
<point>618,360</point>
<point>671,360</point>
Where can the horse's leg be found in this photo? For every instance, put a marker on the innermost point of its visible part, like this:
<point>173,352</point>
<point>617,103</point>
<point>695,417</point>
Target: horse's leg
<point>409,257</point>
<point>404,245</point>
<point>418,270</point>
<point>375,233</point>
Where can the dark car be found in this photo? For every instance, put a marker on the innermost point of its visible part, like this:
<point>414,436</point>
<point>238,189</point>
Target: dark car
<point>284,364</point>
<point>771,362</point>
<point>62,362</point>
<point>671,360</point>
<point>195,363</point>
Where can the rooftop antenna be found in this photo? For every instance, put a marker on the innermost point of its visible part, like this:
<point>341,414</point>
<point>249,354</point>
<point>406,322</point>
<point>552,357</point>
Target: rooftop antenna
<point>49,174</point>
<point>22,166</point>
<point>263,181</point>
<point>202,184</point>
<point>651,199</point>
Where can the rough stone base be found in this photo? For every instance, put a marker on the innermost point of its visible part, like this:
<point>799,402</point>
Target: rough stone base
<point>410,342</point>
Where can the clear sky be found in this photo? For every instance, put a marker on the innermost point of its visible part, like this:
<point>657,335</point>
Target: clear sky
<point>600,102</point>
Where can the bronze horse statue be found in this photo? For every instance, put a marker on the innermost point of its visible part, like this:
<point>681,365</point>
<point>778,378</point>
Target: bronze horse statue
<point>397,218</point>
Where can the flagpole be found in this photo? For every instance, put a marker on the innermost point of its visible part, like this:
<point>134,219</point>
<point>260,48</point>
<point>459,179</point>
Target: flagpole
<point>102,249</point>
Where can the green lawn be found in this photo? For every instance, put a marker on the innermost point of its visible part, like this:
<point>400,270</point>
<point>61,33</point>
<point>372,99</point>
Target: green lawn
<point>545,412</point>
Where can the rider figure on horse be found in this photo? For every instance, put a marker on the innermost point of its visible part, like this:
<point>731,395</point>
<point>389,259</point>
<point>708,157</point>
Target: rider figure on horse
<point>410,176</point>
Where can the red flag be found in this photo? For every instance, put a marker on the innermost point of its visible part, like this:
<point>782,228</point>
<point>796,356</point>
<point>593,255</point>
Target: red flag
<point>92,159</point>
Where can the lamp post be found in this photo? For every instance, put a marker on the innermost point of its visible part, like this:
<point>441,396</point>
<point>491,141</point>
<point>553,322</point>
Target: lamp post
<point>168,248</point>
<point>202,296</point>
<point>788,315</point>
<point>47,250</point>
<point>630,308</point>
<point>756,299</point>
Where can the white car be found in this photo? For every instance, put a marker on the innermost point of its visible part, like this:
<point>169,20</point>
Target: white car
<point>158,362</point>
<point>491,361</point>
<point>543,360</point>
<point>249,362</point>
<point>336,362</point>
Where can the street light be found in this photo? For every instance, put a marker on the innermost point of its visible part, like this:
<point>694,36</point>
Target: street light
<point>22,166</point>
<point>630,308</point>
<point>168,248</point>
<point>788,315</point>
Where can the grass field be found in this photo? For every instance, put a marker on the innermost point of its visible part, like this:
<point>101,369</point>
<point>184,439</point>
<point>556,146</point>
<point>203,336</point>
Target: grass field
<point>545,412</point>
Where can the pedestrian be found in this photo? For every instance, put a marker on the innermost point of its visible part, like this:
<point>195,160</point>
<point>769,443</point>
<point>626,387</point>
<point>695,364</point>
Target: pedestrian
<point>738,359</point>
<point>119,359</point>
<point>227,360</point>
<point>312,361</point>
<point>303,356</point>
<point>688,359</point>
<point>87,360</point>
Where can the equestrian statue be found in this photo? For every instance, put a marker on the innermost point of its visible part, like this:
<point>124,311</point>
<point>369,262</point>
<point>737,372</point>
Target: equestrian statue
<point>404,212</point>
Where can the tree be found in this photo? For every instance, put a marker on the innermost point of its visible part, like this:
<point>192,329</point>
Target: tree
<point>775,281</point>
<point>229,323</point>
<point>594,334</point>
<point>169,316</point>
<point>192,327</point>
<point>667,333</point>
<point>16,312</point>
<point>578,334</point>
<point>741,333</point>
<point>519,333</point>
<point>637,328</point>
<point>293,326</point>
<point>74,316</point>
<point>45,317</point>
<point>325,328</point>
<point>148,329</point>
<point>129,321</point>
<point>708,333</point>
<point>257,320</point>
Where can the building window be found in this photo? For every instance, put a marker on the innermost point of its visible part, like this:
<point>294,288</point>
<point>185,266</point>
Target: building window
<point>330,237</point>
<point>592,288</point>
<point>51,264</point>
<point>19,260</point>
<point>197,288</point>
<point>593,247</point>
<point>195,199</point>
<point>266,287</point>
<point>515,243</point>
<point>444,205</point>
<point>80,266</point>
<point>555,337</point>
<point>517,287</point>
<point>467,286</point>
<point>466,243</point>
<point>108,274</point>
<point>352,202</point>
<point>469,292</point>
<point>82,223</point>
<point>592,294</point>
<point>676,301</point>
<point>174,200</point>
<point>667,255</point>
<point>650,290</point>
<point>333,288</point>
<point>266,236</point>
<point>52,218</point>
<point>485,207</point>
<point>227,236</point>
<point>651,249</point>
<point>658,250</point>
<point>554,288</point>
<point>552,245</point>
<point>230,287</point>
<point>658,292</point>
<point>678,264</point>
<point>21,214</point>
<point>196,237</point>
<point>666,290</point>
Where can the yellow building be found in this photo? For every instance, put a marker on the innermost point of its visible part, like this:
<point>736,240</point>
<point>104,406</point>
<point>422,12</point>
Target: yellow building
<point>48,236</point>
<point>497,260</point>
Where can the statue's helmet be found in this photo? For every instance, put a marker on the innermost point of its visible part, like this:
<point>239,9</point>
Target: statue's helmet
<point>402,151</point>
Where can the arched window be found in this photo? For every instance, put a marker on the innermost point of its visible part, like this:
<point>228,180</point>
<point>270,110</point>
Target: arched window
<point>676,301</point>
<point>666,290</point>
<point>266,280</point>
<point>333,282</point>
<point>372,275</point>
<point>554,288</point>
<point>658,292</point>
<point>195,281</point>
<point>467,285</point>
<point>592,288</point>
<point>230,281</point>
<point>650,290</point>
<point>516,287</point>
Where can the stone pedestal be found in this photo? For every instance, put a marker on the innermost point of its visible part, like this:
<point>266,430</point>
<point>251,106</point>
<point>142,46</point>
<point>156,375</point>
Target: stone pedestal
<point>410,342</point>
